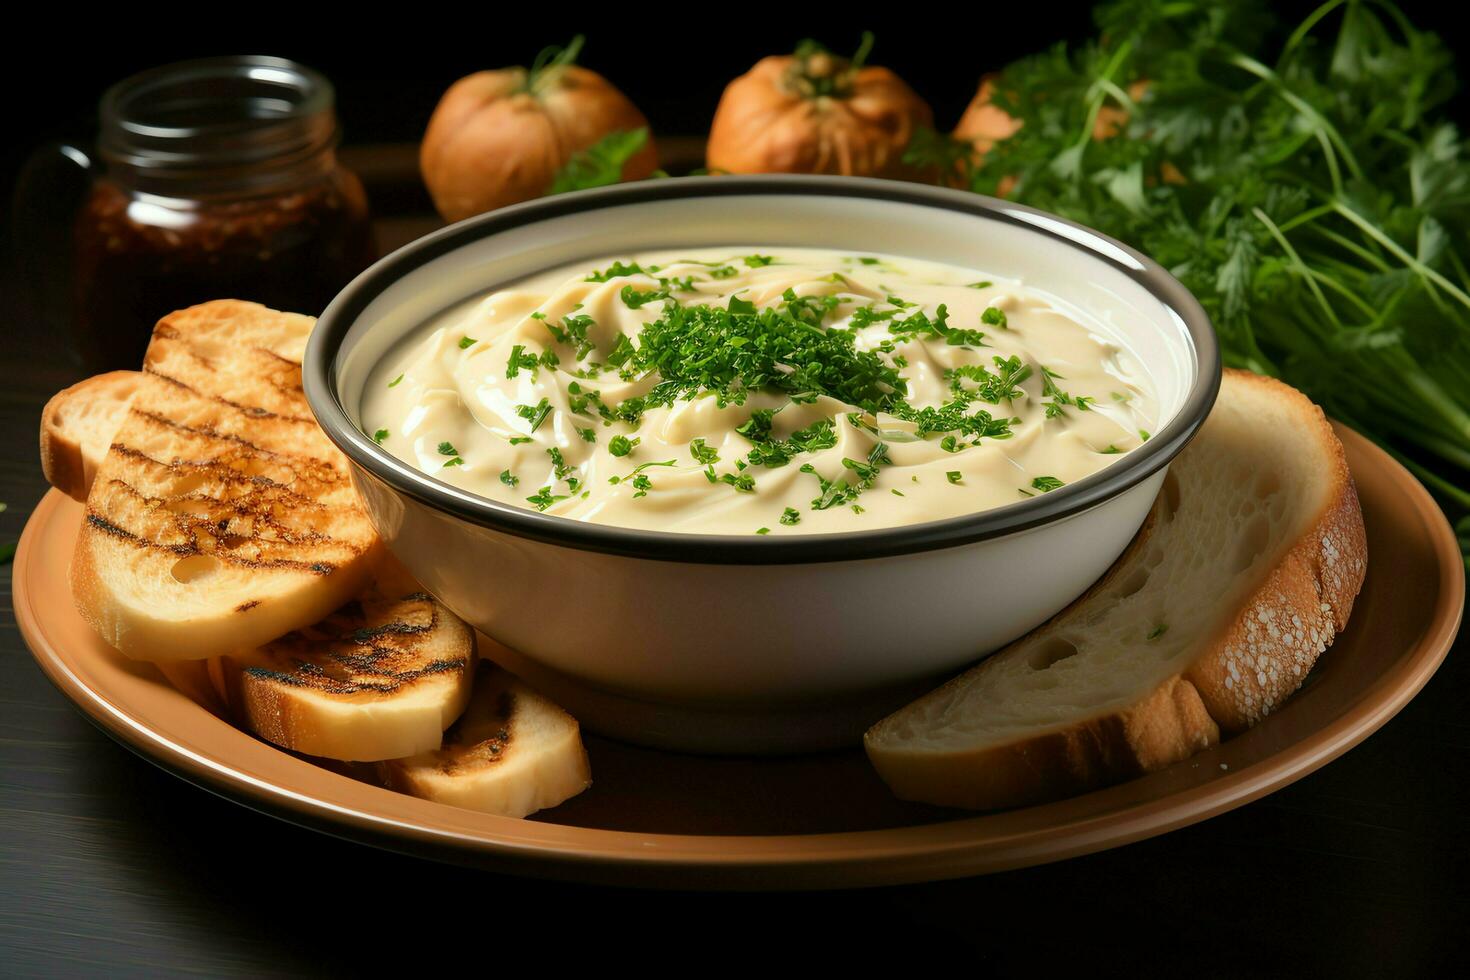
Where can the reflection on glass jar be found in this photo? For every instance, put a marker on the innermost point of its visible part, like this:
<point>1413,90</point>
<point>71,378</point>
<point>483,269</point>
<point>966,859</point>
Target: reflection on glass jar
<point>220,181</point>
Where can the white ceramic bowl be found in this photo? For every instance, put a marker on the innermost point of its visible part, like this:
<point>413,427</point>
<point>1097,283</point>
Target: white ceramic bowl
<point>748,643</point>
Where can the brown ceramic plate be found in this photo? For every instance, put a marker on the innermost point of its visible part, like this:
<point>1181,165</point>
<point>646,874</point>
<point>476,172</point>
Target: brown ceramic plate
<point>664,819</point>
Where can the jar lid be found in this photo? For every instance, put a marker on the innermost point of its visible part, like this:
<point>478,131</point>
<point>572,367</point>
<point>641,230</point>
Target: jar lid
<point>209,114</point>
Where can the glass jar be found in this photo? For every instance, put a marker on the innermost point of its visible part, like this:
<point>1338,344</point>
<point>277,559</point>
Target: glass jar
<point>218,180</point>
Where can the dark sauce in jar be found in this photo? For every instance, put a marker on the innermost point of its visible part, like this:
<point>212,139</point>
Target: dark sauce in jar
<point>220,182</point>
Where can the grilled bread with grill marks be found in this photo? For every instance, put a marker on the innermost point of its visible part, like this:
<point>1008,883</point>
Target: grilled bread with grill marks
<point>221,517</point>
<point>512,753</point>
<point>77,426</point>
<point>381,678</point>
<point>1245,571</point>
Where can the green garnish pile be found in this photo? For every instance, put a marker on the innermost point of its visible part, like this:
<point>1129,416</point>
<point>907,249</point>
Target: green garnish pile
<point>1304,183</point>
<point>727,352</point>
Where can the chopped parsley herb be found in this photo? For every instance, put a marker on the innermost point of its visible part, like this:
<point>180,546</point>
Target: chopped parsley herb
<point>869,260</point>
<point>985,284</point>
<point>518,359</point>
<point>447,449</point>
<point>1110,450</point>
<point>618,270</point>
<point>762,530</point>
<point>954,476</point>
<point>1046,483</point>
<point>722,272</point>
<point>702,452</point>
<point>772,453</point>
<point>573,333</point>
<point>395,382</point>
<point>634,300</point>
<point>639,479</point>
<point>790,516</point>
<point>919,324</point>
<point>544,498</point>
<point>588,435</point>
<point>742,482</point>
<point>756,261</point>
<point>1003,385</point>
<point>621,352</point>
<point>995,316</point>
<point>559,466</point>
<point>517,440</point>
<point>621,445</point>
<point>509,478</point>
<point>466,342</point>
<point>1143,434</point>
<point>380,435</point>
<point>535,414</point>
<point>840,492</point>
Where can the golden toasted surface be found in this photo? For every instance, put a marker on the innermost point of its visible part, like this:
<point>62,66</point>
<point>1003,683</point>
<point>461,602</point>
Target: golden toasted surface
<point>221,515</point>
<point>373,647</point>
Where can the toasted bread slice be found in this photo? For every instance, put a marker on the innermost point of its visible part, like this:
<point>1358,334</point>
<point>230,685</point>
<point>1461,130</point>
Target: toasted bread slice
<point>221,517</point>
<point>77,426</point>
<point>1244,573</point>
<point>381,678</point>
<point>512,753</point>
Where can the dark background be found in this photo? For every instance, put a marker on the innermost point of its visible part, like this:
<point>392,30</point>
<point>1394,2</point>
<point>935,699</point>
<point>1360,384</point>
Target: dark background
<point>673,63</point>
<point>109,865</point>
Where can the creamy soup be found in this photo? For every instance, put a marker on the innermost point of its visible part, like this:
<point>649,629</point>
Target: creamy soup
<point>760,391</point>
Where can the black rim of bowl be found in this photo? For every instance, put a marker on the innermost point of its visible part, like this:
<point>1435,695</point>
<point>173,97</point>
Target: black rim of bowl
<point>321,362</point>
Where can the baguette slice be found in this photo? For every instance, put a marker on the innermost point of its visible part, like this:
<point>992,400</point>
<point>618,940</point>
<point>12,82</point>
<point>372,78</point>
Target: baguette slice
<point>1245,571</point>
<point>221,517</point>
<point>512,753</point>
<point>77,426</point>
<point>381,678</point>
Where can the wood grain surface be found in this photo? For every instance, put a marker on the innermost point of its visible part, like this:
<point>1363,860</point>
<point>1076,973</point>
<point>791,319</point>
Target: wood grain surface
<point>110,866</point>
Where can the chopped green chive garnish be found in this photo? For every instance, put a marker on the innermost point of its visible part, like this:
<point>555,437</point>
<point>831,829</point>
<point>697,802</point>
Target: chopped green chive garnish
<point>1157,631</point>
<point>1046,483</point>
<point>380,435</point>
<point>465,342</point>
<point>762,530</point>
<point>621,445</point>
<point>790,516</point>
<point>395,381</point>
<point>954,476</point>
<point>535,414</point>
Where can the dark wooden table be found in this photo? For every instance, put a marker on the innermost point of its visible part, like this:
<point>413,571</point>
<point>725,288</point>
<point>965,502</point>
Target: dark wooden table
<point>109,865</point>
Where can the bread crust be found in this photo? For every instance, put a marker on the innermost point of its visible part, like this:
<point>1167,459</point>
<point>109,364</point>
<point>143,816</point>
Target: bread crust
<point>65,461</point>
<point>1258,660</point>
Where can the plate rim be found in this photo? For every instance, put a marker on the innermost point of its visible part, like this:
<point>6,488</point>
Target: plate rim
<point>916,852</point>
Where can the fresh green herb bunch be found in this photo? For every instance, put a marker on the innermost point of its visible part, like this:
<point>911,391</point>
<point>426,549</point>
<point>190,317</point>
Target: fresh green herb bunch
<point>1301,183</point>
